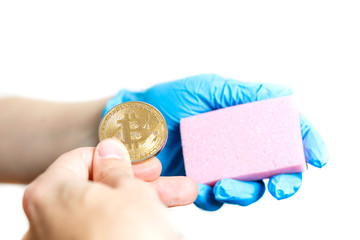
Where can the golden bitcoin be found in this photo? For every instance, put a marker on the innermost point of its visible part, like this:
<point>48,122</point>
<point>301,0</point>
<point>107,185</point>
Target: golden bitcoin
<point>140,126</point>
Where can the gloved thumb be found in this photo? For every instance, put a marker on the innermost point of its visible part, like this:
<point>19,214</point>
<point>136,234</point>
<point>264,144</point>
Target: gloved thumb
<point>111,164</point>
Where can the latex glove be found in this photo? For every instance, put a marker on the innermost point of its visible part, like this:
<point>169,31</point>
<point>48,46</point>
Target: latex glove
<point>199,94</point>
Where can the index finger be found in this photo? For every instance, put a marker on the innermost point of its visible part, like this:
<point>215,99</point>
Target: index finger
<point>315,150</point>
<point>70,169</point>
<point>149,170</point>
<point>75,165</point>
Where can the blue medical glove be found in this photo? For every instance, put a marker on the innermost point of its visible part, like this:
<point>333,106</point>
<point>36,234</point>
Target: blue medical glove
<point>199,94</point>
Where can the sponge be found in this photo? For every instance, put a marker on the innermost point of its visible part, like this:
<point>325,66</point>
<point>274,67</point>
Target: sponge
<point>247,142</point>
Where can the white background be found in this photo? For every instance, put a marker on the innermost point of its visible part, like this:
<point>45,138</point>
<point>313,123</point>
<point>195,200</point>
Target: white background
<point>81,50</point>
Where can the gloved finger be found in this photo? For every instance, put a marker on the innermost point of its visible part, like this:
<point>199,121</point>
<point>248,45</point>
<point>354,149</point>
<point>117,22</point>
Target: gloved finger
<point>235,92</point>
<point>148,170</point>
<point>284,185</point>
<point>217,92</point>
<point>175,191</point>
<point>315,149</point>
<point>111,164</point>
<point>205,199</point>
<point>238,192</point>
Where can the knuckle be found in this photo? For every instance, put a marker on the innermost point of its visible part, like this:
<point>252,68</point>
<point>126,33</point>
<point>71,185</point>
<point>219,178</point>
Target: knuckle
<point>34,193</point>
<point>34,196</point>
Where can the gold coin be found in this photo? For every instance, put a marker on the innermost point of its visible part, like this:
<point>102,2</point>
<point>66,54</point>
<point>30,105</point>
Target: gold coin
<point>140,126</point>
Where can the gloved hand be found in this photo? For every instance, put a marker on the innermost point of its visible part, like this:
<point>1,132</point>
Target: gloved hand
<point>203,93</point>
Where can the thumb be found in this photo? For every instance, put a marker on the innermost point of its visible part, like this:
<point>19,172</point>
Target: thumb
<point>111,164</point>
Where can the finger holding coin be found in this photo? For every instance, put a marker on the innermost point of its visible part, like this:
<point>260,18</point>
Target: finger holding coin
<point>148,170</point>
<point>143,131</point>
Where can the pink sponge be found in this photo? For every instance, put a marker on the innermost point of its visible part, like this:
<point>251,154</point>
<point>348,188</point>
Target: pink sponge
<point>247,142</point>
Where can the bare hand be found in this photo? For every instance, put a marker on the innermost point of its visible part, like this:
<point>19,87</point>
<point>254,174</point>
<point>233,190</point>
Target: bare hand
<point>63,204</point>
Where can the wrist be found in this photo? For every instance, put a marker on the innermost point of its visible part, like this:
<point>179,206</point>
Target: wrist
<point>89,122</point>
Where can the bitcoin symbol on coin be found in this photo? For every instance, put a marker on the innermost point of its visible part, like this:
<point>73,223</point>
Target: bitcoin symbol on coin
<point>140,126</point>
<point>133,130</point>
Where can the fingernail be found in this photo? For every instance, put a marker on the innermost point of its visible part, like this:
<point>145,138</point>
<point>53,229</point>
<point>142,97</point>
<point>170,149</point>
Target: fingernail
<point>111,148</point>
